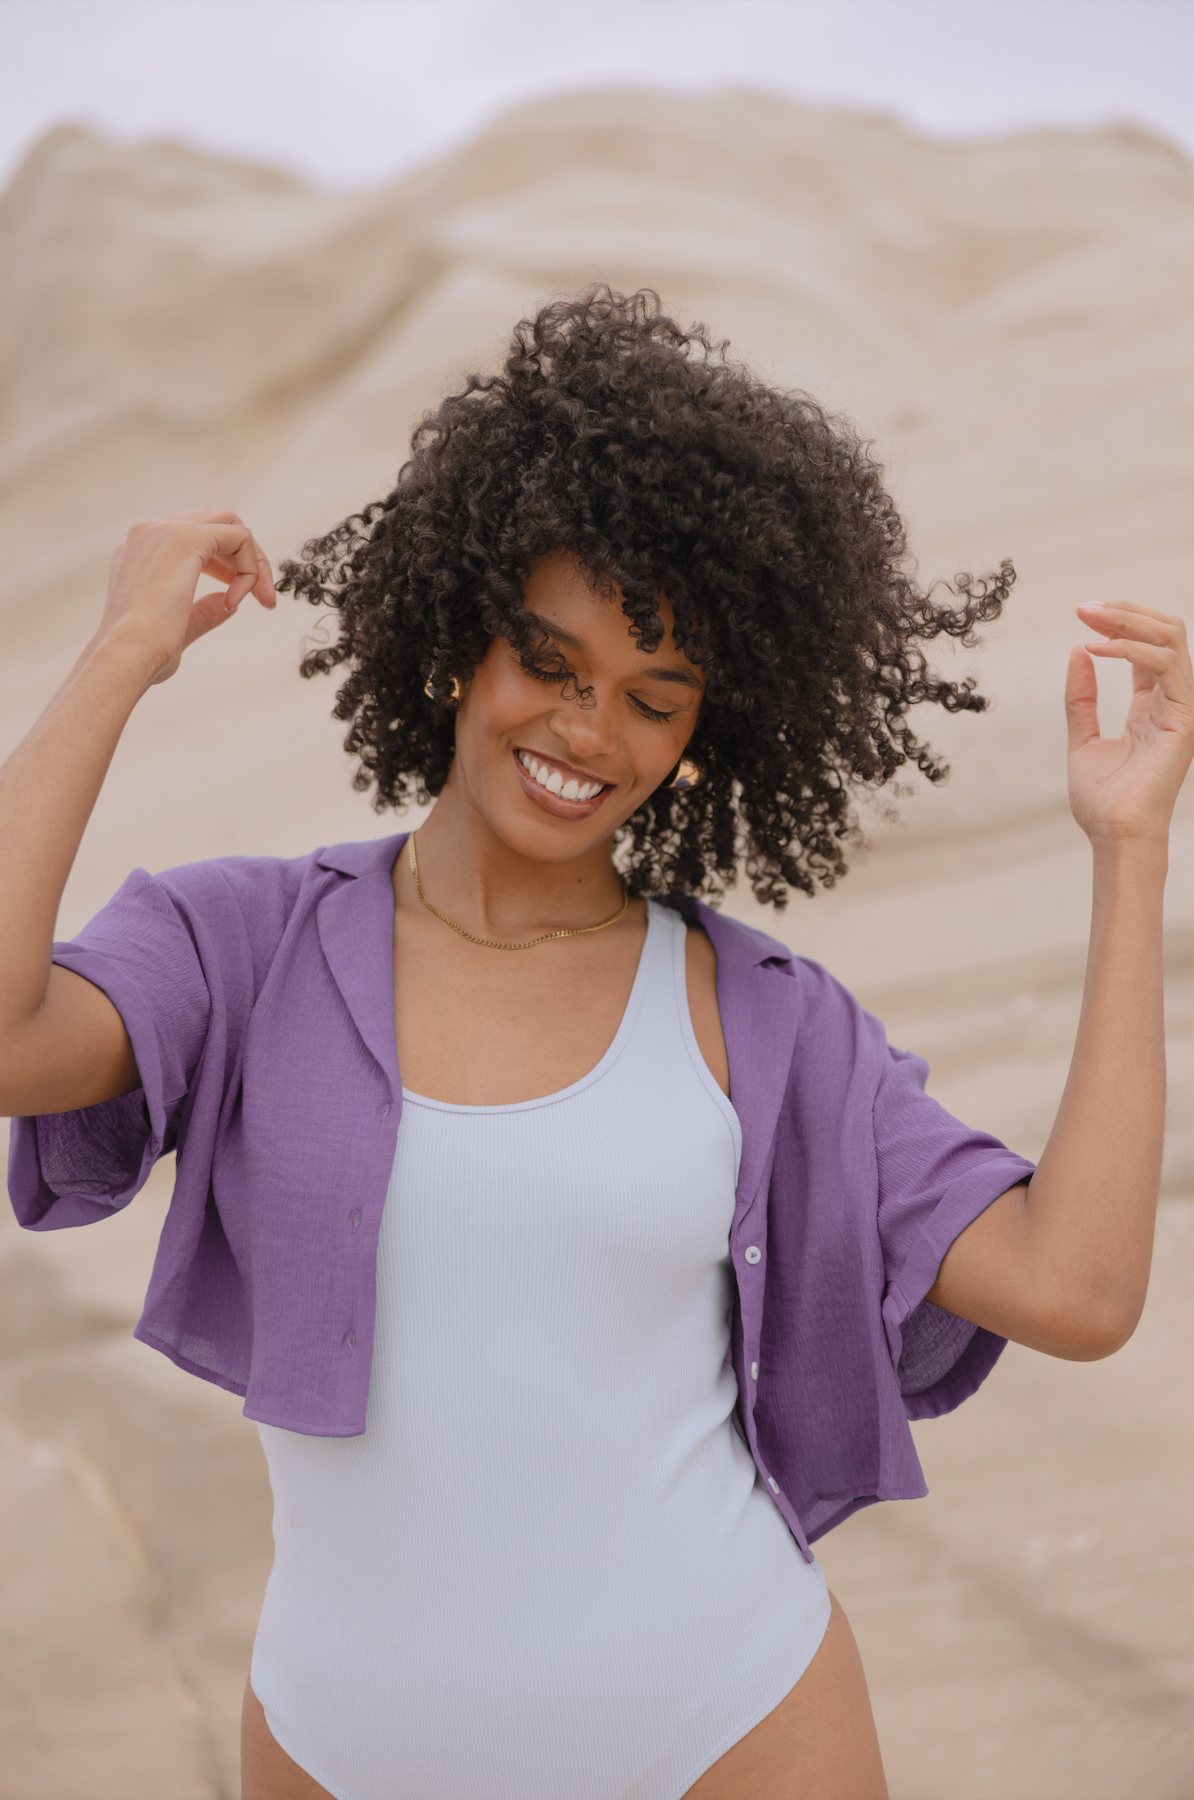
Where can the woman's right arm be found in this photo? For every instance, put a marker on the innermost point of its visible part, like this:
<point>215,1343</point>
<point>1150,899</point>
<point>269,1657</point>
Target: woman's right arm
<point>62,1043</point>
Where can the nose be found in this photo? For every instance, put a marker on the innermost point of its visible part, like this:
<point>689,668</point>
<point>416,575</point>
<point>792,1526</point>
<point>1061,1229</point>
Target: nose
<point>586,730</point>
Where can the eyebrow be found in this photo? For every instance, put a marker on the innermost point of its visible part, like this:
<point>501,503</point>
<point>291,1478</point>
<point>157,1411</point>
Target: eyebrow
<point>569,641</point>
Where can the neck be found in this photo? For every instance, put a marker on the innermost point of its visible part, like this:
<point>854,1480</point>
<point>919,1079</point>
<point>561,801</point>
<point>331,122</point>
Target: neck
<point>486,886</point>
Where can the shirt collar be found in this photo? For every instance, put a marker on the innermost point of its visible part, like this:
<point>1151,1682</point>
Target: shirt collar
<point>376,856</point>
<point>739,945</point>
<point>759,1012</point>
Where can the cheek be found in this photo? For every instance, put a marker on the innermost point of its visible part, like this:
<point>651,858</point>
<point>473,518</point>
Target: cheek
<point>501,700</point>
<point>508,692</point>
<point>657,749</point>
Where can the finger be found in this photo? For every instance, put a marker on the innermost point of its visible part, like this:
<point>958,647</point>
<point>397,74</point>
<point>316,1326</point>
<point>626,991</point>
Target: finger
<point>1133,622</point>
<point>1167,668</point>
<point>238,588</point>
<point>1143,680</point>
<point>264,587</point>
<point>1081,699</point>
<point>221,569</point>
<point>208,611</point>
<point>1147,612</point>
<point>248,559</point>
<point>235,548</point>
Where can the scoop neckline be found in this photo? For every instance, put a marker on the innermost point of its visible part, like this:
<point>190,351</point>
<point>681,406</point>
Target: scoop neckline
<point>656,922</point>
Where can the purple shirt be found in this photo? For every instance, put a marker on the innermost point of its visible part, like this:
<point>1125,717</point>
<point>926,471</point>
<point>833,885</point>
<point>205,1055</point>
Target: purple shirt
<point>259,997</point>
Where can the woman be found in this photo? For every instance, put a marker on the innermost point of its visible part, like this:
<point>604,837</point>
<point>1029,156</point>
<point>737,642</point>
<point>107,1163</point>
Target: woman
<point>559,1376</point>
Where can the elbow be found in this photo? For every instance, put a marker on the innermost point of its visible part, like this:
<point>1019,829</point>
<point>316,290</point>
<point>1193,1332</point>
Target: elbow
<point>1091,1330</point>
<point>1094,1346</point>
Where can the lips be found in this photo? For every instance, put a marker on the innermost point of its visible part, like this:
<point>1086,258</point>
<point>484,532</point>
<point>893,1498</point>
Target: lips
<point>558,788</point>
<point>558,780</point>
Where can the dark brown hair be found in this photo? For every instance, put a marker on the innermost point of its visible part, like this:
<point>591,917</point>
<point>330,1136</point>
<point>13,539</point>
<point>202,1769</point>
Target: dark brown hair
<point>639,447</point>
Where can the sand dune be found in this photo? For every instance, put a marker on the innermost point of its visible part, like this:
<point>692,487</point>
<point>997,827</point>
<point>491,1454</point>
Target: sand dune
<point>1010,321</point>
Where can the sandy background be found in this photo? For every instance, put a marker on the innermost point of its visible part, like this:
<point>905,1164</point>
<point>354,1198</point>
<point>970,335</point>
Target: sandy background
<point>1010,320</point>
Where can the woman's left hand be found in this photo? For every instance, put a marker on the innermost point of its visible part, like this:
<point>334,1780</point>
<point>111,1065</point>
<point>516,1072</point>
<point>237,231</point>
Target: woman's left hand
<point>1125,787</point>
<point>1062,1265</point>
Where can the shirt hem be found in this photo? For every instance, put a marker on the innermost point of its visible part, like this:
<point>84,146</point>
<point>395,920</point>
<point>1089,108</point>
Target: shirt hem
<point>302,1427</point>
<point>187,1363</point>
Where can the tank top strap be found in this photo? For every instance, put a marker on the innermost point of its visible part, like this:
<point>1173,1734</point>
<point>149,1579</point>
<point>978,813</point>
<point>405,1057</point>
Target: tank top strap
<point>661,1048</point>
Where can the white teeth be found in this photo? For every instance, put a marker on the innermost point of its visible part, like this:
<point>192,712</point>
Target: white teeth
<point>554,782</point>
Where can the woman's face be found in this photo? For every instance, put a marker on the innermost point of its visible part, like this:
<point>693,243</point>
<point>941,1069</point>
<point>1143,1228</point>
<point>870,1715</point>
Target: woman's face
<point>555,777</point>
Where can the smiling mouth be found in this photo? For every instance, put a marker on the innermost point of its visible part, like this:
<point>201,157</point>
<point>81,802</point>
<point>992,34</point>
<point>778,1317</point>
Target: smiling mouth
<point>560,789</point>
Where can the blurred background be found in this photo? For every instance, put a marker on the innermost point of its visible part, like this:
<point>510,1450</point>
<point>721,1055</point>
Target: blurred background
<point>243,245</point>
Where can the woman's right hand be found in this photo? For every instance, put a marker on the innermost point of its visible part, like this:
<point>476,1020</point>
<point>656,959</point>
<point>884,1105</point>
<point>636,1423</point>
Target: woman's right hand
<point>154,576</point>
<point>63,1044</point>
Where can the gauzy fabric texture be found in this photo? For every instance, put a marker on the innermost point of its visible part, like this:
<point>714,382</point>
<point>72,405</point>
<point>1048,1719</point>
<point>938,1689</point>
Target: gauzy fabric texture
<point>259,997</point>
<point>549,1570</point>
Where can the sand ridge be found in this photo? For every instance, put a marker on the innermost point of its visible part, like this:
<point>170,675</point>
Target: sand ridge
<point>1009,320</point>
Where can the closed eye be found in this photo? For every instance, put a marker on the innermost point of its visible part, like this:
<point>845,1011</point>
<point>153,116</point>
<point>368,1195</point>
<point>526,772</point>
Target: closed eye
<point>539,673</point>
<point>651,712</point>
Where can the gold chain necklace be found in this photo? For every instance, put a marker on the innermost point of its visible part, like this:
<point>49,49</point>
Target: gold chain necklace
<point>492,943</point>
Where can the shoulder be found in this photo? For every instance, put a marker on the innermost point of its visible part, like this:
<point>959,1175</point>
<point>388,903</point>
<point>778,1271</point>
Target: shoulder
<point>742,948</point>
<point>728,936</point>
<point>230,907</point>
<point>257,883</point>
<point>776,1003</point>
<point>252,897</point>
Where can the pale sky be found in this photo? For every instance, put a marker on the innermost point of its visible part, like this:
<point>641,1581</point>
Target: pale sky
<point>351,92</point>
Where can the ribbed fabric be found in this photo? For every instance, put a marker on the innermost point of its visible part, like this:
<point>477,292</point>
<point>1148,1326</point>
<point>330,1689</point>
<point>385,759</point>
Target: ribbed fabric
<point>538,1575</point>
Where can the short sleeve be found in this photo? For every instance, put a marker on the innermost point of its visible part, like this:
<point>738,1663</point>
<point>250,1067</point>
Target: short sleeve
<point>72,1168</point>
<point>935,1177</point>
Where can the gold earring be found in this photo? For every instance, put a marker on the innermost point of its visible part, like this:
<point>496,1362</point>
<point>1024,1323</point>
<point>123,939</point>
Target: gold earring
<point>685,776</point>
<point>451,695</point>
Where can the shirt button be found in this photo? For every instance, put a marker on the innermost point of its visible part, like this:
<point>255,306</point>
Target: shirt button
<point>753,1253</point>
<point>773,1484</point>
<point>754,1371</point>
<point>385,1109</point>
<point>351,1340</point>
<point>356,1221</point>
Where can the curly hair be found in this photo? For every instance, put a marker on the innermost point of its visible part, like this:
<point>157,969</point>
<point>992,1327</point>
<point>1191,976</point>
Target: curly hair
<point>641,450</point>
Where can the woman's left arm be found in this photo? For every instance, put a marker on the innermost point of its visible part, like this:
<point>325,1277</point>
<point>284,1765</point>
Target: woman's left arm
<point>1061,1262</point>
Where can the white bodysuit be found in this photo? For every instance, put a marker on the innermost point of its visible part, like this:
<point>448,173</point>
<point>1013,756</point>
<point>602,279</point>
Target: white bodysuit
<point>547,1570</point>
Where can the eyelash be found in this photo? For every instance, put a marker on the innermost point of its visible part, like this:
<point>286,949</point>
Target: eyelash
<point>650,712</point>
